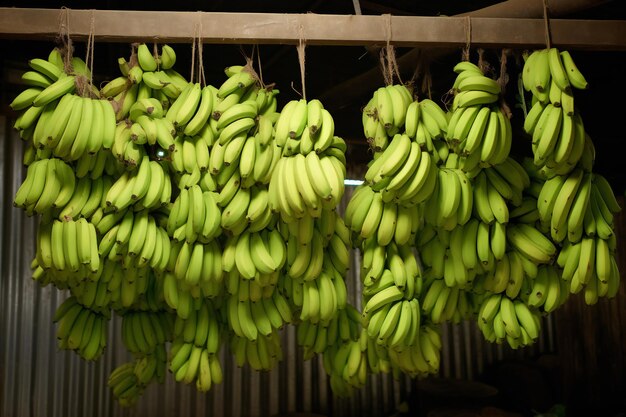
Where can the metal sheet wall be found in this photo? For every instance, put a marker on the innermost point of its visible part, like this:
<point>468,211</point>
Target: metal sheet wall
<point>38,379</point>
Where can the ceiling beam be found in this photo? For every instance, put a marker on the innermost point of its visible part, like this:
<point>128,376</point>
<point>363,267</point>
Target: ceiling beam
<point>359,86</point>
<point>317,29</point>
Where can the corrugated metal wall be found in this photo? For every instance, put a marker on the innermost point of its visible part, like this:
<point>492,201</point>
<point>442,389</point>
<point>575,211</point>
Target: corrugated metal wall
<point>37,379</point>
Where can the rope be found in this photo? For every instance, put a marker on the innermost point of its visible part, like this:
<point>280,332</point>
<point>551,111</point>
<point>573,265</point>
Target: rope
<point>65,39</point>
<point>193,55</point>
<point>200,56</point>
<point>91,47</point>
<point>301,58</point>
<point>258,59</point>
<point>546,21</point>
<point>468,38</point>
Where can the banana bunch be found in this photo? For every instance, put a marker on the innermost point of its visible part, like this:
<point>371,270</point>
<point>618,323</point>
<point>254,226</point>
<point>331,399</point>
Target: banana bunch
<point>531,243</point>
<point>590,265</point>
<point>124,384</point>
<point>195,216</point>
<point>468,251</point>
<point>421,358</point>
<point>558,134</point>
<point>248,318</point>
<point>190,157</point>
<point>261,354</point>
<point>185,300</point>
<point>89,195</point>
<point>501,318</point>
<point>147,125</point>
<point>190,112</point>
<point>526,212</point>
<point>201,329</point>
<point>270,308</point>
<point>321,298</point>
<point>315,338</point>
<point>68,246</point>
<point>305,261</point>
<point>396,325</point>
<point>253,254</point>
<point>197,267</point>
<point>472,87</point>
<point>392,266</point>
<point>115,287</point>
<point>385,115</point>
<point>303,185</point>
<point>81,329</point>
<point>368,216</point>
<point>490,197</point>
<point>145,76</point>
<point>347,365</point>
<point>427,124</point>
<point>452,200</point>
<point>49,184</point>
<point>443,303</point>
<point>603,205</point>
<point>43,74</point>
<point>97,165</point>
<point>303,127</point>
<point>151,367</point>
<point>478,130</point>
<point>74,126</point>
<point>402,172</point>
<point>556,208</point>
<point>550,75</point>
<point>53,84</point>
<point>244,289</point>
<point>143,331</point>
<point>558,138</point>
<point>137,240</point>
<point>548,290</point>
<point>147,187</point>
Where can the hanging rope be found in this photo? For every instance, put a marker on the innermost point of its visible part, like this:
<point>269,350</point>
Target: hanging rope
<point>65,39</point>
<point>193,54</point>
<point>546,21</point>
<point>503,80</point>
<point>302,58</point>
<point>468,38</point>
<point>200,55</point>
<point>90,47</point>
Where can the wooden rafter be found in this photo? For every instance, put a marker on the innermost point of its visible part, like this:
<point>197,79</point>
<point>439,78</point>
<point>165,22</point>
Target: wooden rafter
<point>316,29</point>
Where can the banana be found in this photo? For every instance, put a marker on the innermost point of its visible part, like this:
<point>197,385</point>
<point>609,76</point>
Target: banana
<point>479,83</point>
<point>557,71</point>
<point>574,76</point>
<point>473,98</point>
<point>202,113</point>
<point>531,242</point>
<point>563,205</point>
<point>146,60</point>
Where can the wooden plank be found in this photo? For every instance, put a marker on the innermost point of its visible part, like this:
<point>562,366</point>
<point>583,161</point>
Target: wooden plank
<point>274,28</point>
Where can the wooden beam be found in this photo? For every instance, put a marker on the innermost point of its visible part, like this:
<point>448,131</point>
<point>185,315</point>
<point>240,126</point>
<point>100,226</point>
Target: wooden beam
<point>317,29</point>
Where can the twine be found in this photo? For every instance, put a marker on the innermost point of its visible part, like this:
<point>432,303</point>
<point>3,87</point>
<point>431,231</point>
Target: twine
<point>193,57</point>
<point>200,55</point>
<point>65,39</point>
<point>258,58</point>
<point>546,21</point>
<point>302,58</point>
<point>468,38</point>
<point>90,47</point>
<point>482,62</point>
<point>388,63</point>
<point>503,79</point>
